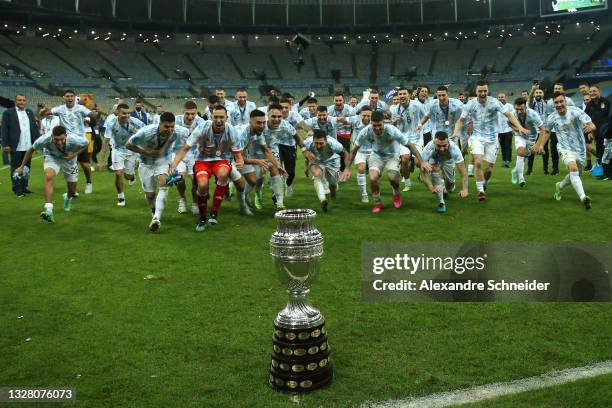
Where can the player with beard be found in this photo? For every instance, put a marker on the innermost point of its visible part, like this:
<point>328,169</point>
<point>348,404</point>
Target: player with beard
<point>570,124</point>
<point>538,104</point>
<point>323,154</point>
<point>239,115</point>
<point>258,157</point>
<point>483,143</point>
<point>343,131</point>
<point>217,144</point>
<point>385,140</point>
<point>277,131</point>
<point>440,157</point>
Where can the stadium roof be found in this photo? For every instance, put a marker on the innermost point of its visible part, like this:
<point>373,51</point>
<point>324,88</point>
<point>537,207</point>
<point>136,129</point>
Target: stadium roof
<point>272,16</point>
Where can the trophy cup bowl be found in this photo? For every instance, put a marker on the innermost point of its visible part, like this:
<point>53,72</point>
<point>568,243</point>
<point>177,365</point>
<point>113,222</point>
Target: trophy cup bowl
<point>300,358</point>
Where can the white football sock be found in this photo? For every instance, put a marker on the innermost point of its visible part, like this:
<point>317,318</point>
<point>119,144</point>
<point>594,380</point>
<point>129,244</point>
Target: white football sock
<point>438,181</point>
<point>480,186</point>
<point>319,189</point>
<point>520,167</point>
<point>361,182</point>
<point>565,182</point>
<point>577,184</point>
<point>48,206</point>
<point>277,187</point>
<point>160,202</point>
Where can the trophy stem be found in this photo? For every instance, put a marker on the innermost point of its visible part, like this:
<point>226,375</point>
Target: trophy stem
<point>299,313</point>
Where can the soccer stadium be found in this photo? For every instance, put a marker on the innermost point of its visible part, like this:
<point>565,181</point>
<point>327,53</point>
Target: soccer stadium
<point>318,203</point>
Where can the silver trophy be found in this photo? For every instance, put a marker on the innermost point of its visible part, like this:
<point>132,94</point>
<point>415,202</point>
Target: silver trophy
<point>300,358</point>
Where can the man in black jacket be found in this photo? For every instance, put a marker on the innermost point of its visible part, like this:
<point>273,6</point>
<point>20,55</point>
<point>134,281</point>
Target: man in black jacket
<point>19,131</point>
<point>599,111</point>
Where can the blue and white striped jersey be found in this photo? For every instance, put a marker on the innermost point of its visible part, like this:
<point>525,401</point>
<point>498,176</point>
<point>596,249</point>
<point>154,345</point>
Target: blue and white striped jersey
<point>330,154</point>
<point>568,128</point>
<point>443,119</point>
<point>346,111</point>
<point>252,143</point>
<point>72,118</point>
<point>283,135</point>
<point>222,145</point>
<point>484,117</point>
<point>328,127</point>
<point>453,154</point>
<point>358,125</point>
<point>180,121</point>
<point>119,133</point>
<point>385,145</point>
<point>380,106</point>
<point>148,138</point>
<point>532,122</point>
<point>239,115</point>
<point>504,127</point>
<point>74,143</point>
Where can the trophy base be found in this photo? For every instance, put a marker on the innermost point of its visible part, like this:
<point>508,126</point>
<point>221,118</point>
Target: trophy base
<point>300,360</point>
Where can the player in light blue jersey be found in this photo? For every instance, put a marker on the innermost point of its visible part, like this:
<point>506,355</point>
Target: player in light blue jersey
<point>60,150</point>
<point>440,157</point>
<point>504,133</point>
<point>358,122</point>
<point>323,155</point>
<point>372,99</point>
<point>310,111</point>
<point>406,116</point>
<point>287,151</point>
<point>154,144</point>
<point>227,104</point>
<point>483,143</point>
<point>73,116</point>
<point>531,121</point>
<point>117,133</point>
<point>217,144</point>
<point>422,98</point>
<point>257,155</point>
<point>324,122</point>
<point>444,113</point>
<point>239,115</point>
<point>341,110</point>
<point>191,121</point>
<point>550,109</point>
<point>570,124</point>
<point>280,137</point>
<point>385,140</point>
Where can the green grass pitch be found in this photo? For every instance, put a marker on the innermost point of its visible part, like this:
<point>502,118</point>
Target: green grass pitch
<point>577,4</point>
<point>201,335</point>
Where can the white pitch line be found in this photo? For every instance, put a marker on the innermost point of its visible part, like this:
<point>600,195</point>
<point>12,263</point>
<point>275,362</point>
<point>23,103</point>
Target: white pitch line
<point>495,390</point>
